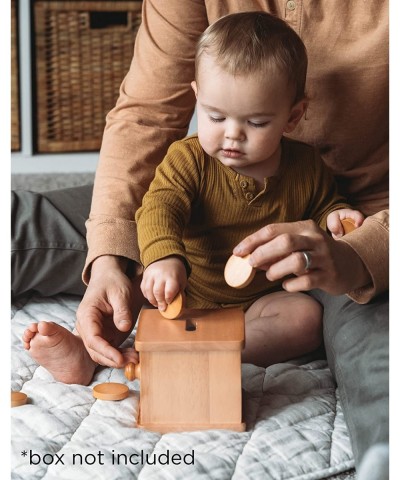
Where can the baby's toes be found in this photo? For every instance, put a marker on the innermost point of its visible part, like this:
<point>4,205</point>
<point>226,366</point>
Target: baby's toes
<point>28,335</point>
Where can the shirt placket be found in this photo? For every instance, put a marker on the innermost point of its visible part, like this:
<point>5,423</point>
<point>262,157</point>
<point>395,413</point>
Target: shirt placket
<point>293,10</point>
<point>249,191</point>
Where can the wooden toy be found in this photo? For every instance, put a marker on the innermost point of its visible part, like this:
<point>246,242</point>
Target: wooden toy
<point>190,370</point>
<point>348,225</point>
<point>238,272</point>
<point>132,371</point>
<point>174,309</point>
<point>111,391</point>
<point>18,398</point>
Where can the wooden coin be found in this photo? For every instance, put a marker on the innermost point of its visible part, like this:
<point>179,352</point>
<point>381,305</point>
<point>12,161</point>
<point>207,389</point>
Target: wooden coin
<point>238,271</point>
<point>110,391</point>
<point>174,309</point>
<point>18,398</point>
<point>348,225</point>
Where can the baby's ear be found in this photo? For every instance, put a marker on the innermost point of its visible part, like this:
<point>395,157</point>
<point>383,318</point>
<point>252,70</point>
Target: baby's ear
<point>194,86</point>
<point>296,113</point>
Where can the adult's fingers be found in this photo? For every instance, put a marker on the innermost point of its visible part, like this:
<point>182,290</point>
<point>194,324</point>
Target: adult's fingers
<point>294,264</point>
<point>280,248</point>
<point>335,268</point>
<point>90,328</point>
<point>286,232</point>
<point>103,353</point>
<point>303,283</point>
<point>120,301</point>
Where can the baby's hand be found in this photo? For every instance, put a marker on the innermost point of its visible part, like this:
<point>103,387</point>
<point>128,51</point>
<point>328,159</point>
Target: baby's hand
<point>163,280</point>
<point>334,220</point>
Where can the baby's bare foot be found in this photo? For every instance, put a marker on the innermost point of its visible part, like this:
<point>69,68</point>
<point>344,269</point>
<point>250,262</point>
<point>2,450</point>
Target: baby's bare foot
<point>61,352</point>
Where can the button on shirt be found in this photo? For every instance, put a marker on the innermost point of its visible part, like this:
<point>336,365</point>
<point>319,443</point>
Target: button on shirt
<point>291,5</point>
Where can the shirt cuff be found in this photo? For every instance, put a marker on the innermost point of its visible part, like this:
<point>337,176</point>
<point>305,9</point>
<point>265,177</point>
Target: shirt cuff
<point>371,243</point>
<point>111,236</point>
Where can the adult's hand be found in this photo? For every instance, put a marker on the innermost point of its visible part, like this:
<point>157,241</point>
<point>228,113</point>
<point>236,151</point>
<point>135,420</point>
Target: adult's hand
<point>277,248</point>
<point>106,315</point>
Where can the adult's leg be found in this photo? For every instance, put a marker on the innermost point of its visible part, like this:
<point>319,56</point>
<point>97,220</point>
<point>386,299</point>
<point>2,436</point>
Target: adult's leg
<point>357,347</point>
<point>49,240</point>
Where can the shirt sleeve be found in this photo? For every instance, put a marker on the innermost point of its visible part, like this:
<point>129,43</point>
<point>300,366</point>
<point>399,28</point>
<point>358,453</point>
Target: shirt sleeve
<point>166,207</point>
<point>154,109</point>
<point>371,243</point>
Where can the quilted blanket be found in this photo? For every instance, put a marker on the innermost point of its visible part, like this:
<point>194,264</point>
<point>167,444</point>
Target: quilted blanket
<point>295,426</point>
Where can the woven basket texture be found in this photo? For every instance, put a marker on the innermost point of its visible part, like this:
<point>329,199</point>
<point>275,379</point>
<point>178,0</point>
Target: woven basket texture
<point>15,120</point>
<point>83,51</point>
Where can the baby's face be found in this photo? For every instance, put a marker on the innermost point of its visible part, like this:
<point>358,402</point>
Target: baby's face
<point>241,119</point>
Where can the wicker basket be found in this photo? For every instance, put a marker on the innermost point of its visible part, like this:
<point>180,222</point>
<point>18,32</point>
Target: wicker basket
<point>15,121</point>
<point>83,51</point>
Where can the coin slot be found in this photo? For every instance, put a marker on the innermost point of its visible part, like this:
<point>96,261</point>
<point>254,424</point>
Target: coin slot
<point>190,325</point>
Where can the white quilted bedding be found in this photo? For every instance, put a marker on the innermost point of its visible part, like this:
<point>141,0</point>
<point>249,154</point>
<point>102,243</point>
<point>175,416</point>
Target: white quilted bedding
<point>295,426</point>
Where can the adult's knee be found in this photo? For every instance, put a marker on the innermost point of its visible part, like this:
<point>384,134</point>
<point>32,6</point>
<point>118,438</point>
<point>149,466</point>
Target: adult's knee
<point>356,343</point>
<point>48,245</point>
<point>348,326</point>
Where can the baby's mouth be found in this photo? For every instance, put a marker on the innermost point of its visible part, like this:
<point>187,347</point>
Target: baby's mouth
<point>231,153</point>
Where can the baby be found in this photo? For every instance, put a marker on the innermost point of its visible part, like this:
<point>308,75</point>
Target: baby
<point>238,174</point>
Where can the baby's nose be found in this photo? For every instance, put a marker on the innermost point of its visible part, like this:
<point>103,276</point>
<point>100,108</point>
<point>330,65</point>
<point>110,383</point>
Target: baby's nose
<point>234,131</point>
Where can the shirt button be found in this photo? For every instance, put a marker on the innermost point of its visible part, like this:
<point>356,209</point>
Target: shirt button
<point>291,5</point>
<point>249,196</point>
<point>244,184</point>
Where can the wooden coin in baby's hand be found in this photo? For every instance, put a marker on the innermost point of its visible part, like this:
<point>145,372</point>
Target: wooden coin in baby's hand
<point>348,225</point>
<point>174,308</point>
<point>110,391</point>
<point>238,271</point>
<point>18,398</point>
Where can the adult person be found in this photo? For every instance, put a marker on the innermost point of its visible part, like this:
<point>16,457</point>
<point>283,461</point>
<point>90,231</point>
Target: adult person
<point>347,120</point>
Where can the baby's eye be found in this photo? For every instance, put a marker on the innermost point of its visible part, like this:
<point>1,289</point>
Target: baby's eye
<point>217,119</point>
<point>258,124</point>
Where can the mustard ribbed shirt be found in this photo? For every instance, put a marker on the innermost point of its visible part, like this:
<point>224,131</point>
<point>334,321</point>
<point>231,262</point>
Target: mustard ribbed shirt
<point>200,209</point>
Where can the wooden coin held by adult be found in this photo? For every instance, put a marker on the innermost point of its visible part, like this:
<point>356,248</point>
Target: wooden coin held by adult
<point>238,271</point>
<point>18,398</point>
<point>174,309</point>
<point>110,391</point>
<point>348,225</point>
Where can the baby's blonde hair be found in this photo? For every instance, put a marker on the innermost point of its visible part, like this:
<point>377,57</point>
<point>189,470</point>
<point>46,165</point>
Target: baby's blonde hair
<point>255,42</point>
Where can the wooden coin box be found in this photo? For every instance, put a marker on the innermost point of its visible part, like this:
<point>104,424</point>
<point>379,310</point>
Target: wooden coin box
<point>190,370</point>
